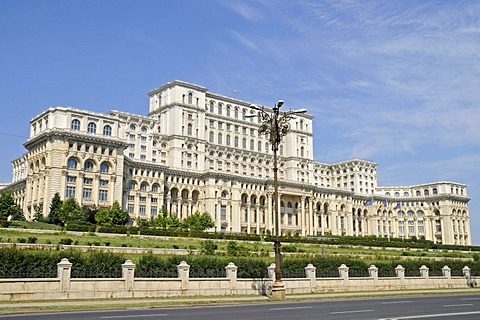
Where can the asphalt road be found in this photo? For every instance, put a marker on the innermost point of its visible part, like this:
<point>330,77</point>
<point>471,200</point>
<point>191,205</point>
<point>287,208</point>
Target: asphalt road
<point>463,307</point>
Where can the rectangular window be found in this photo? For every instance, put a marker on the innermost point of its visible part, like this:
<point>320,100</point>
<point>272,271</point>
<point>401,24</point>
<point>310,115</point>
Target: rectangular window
<point>143,199</point>
<point>87,181</point>
<point>143,157</point>
<point>103,195</point>
<point>71,179</point>
<point>130,208</point>
<point>143,138</point>
<point>142,209</point>
<point>70,192</point>
<point>154,200</point>
<point>153,211</point>
<point>103,183</point>
<point>87,193</point>
<point>131,198</point>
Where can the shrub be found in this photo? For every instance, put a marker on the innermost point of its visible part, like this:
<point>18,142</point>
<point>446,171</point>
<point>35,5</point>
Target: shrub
<point>208,247</point>
<point>65,241</point>
<point>32,240</point>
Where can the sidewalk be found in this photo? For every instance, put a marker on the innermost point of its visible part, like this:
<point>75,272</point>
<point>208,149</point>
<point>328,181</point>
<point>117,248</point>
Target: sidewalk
<point>63,305</point>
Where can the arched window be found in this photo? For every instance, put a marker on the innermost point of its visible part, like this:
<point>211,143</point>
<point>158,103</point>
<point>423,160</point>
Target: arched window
<point>155,187</point>
<point>107,130</point>
<point>72,163</point>
<point>220,138</point>
<point>425,192</point>
<point>417,193</point>
<point>75,125</point>
<point>236,113</point>
<point>133,127</point>
<point>143,186</point>
<point>132,185</point>
<point>244,143</point>
<point>252,145</point>
<point>92,127</point>
<point>259,146</point>
<point>88,165</point>
<point>223,195</point>
<point>189,129</point>
<point>302,151</point>
<point>434,191</point>
<point>228,140</point>
<point>104,167</point>
<point>190,98</point>
<point>387,194</point>
<point>244,114</point>
<point>210,137</point>
<point>220,107</point>
<point>236,142</point>
<point>228,111</point>
<point>211,106</point>
<point>144,129</point>
<point>406,194</point>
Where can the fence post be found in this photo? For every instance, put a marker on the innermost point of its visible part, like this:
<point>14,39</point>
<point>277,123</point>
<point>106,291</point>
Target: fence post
<point>231,269</point>
<point>373,273</point>
<point>311,273</point>
<point>343,271</point>
<point>400,272</point>
<point>271,272</point>
<point>128,273</point>
<point>424,271</point>
<point>64,272</point>
<point>466,272</point>
<point>184,274</point>
<point>447,272</point>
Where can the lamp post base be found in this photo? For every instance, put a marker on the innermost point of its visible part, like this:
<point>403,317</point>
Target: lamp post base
<point>278,291</point>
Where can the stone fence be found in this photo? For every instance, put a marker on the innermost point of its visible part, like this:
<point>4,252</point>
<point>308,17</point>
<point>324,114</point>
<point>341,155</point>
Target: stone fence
<point>129,286</point>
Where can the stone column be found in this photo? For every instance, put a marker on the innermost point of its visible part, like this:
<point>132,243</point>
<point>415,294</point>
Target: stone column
<point>128,273</point>
<point>373,272</point>
<point>343,271</point>
<point>311,273</point>
<point>64,271</point>
<point>302,215</point>
<point>400,272</point>
<point>466,272</point>
<point>424,271</point>
<point>271,272</point>
<point>231,269</point>
<point>183,274</point>
<point>447,272</point>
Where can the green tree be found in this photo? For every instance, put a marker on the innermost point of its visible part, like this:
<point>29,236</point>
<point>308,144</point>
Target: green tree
<point>111,216</point>
<point>165,220</point>
<point>71,212</point>
<point>8,207</point>
<point>198,222</point>
<point>54,214</point>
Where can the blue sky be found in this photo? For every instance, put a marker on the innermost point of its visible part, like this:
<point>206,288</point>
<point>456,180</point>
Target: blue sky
<point>395,82</point>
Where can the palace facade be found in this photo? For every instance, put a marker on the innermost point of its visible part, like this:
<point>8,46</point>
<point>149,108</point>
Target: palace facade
<point>199,151</point>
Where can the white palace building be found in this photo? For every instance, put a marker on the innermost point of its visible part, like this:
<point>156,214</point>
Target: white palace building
<point>197,151</point>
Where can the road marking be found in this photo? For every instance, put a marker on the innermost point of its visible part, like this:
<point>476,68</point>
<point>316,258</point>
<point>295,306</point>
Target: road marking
<point>291,308</point>
<point>352,311</point>
<point>471,299</point>
<point>135,316</point>
<point>457,305</point>
<point>438,315</point>
<point>392,302</point>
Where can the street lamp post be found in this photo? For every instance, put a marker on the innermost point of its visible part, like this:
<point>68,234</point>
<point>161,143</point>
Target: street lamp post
<point>275,124</point>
